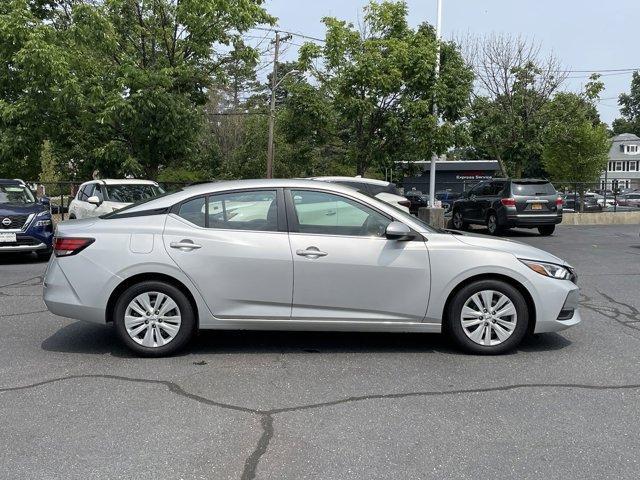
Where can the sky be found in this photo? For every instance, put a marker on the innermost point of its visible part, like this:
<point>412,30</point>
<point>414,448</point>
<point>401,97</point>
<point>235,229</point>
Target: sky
<point>584,35</point>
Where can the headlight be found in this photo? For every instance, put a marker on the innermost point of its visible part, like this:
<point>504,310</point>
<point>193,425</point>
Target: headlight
<point>43,223</point>
<point>43,213</point>
<point>548,269</point>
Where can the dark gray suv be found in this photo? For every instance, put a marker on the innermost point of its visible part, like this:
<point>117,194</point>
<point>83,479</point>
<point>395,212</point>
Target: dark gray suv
<point>503,203</point>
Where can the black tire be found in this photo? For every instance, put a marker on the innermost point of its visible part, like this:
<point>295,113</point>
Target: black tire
<point>493,225</point>
<point>186,329</point>
<point>453,322</point>
<point>457,221</point>
<point>546,230</point>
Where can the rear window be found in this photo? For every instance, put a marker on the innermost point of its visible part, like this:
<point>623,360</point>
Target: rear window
<point>532,189</point>
<point>376,189</point>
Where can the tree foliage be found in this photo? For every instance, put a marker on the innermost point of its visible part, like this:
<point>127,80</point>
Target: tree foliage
<point>576,143</point>
<point>377,86</point>
<point>630,109</point>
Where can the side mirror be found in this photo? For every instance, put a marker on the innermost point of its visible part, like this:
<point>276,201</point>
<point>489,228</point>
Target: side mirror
<point>45,201</point>
<point>94,200</point>
<point>398,231</point>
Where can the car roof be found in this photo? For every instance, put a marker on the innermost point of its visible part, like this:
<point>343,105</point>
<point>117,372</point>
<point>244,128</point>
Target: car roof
<point>123,181</point>
<point>372,181</point>
<point>222,186</point>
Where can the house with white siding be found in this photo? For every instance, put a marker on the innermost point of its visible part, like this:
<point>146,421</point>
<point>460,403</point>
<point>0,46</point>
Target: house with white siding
<point>623,169</point>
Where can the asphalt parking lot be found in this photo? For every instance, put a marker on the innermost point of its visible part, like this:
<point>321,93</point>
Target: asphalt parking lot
<point>75,404</point>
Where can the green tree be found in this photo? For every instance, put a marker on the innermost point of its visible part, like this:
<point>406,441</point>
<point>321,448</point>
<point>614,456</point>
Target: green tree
<point>576,143</point>
<point>117,85</point>
<point>507,117</point>
<point>630,109</point>
<point>379,82</point>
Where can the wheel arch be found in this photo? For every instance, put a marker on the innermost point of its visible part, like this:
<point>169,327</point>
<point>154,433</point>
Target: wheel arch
<point>147,276</point>
<point>493,276</point>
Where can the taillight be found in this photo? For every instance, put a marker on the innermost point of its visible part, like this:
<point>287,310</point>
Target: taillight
<point>559,202</point>
<point>508,202</point>
<point>66,246</point>
<point>404,203</point>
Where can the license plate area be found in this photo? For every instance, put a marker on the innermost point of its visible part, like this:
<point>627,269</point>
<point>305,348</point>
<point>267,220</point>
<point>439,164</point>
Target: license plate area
<point>7,237</point>
<point>536,206</point>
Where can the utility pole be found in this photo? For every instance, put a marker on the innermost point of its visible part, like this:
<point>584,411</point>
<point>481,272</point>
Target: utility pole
<point>272,109</point>
<point>434,157</point>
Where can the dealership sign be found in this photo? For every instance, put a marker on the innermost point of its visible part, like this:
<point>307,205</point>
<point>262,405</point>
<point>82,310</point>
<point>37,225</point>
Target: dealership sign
<point>474,176</point>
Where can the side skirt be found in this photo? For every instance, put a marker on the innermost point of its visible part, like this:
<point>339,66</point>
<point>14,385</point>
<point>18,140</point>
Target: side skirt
<point>322,325</point>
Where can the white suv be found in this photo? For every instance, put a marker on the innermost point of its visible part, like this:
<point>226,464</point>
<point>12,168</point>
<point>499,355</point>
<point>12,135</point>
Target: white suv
<point>385,191</point>
<point>99,197</point>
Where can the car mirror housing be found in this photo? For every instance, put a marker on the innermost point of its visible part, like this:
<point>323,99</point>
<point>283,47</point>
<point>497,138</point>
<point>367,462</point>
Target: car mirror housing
<point>94,200</point>
<point>45,201</point>
<point>398,231</point>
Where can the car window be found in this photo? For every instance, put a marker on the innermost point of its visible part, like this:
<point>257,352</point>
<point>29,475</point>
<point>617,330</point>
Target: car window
<point>130,193</point>
<point>257,210</point>
<point>360,187</point>
<point>193,211</point>
<point>326,213</point>
<point>496,188</point>
<point>98,192</point>
<point>87,191</point>
<point>376,189</point>
<point>532,189</point>
<point>15,194</point>
<point>476,189</point>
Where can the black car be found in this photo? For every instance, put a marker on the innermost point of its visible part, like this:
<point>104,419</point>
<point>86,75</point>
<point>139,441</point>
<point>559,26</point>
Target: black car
<point>417,199</point>
<point>503,203</point>
<point>573,202</point>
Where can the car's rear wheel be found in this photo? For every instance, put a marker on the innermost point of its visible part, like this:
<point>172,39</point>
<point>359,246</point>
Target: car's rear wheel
<point>458,221</point>
<point>154,318</point>
<point>493,225</point>
<point>546,230</point>
<point>488,317</point>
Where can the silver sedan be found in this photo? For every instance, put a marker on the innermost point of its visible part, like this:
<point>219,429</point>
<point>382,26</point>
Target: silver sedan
<point>298,255</point>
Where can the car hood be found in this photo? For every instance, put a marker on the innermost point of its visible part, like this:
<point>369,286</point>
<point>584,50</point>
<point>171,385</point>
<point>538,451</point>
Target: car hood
<point>520,250</point>
<point>20,208</point>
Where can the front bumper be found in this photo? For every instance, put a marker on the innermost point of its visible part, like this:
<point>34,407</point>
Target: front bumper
<point>567,315</point>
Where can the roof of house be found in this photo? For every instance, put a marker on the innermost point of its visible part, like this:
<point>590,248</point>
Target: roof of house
<point>623,139</point>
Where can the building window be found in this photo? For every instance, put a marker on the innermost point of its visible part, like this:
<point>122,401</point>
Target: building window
<point>633,166</point>
<point>618,166</point>
<point>631,149</point>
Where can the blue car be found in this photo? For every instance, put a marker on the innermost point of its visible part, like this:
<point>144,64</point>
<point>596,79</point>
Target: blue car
<point>25,223</point>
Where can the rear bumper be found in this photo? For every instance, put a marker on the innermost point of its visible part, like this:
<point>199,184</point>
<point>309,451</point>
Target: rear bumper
<point>531,220</point>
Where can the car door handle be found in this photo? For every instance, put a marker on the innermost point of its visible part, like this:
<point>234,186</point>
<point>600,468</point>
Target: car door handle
<point>312,252</point>
<point>185,244</point>
<point>330,213</point>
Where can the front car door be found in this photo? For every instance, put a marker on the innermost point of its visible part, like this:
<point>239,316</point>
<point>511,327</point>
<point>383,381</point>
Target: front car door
<point>344,267</point>
<point>235,248</point>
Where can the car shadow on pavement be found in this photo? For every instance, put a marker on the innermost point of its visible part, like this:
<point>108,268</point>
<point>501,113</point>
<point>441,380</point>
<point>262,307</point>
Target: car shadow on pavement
<point>20,259</point>
<point>87,338</point>
<point>511,233</point>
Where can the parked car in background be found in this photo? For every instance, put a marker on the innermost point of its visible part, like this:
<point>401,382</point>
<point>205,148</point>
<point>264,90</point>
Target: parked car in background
<point>608,202</point>
<point>629,200</point>
<point>503,203</point>
<point>417,200</point>
<point>385,191</point>
<point>162,269</point>
<point>572,201</point>
<point>447,198</point>
<point>99,197</point>
<point>25,223</point>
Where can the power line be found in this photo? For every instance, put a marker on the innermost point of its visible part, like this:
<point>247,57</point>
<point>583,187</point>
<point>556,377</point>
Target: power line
<point>301,35</point>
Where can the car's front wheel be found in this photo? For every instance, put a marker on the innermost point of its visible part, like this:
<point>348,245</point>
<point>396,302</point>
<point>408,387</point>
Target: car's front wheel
<point>488,317</point>
<point>154,318</point>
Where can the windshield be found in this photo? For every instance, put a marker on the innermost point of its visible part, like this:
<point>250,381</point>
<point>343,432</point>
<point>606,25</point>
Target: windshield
<point>15,194</point>
<point>534,189</point>
<point>131,193</point>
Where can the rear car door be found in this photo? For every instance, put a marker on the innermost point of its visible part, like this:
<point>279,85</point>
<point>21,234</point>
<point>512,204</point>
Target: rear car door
<point>235,248</point>
<point>472,204</point>
<point>345,269</point>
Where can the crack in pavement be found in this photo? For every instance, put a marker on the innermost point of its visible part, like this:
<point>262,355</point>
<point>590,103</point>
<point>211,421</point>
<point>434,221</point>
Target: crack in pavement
<point>612,312</point>
<point>267,416</point>
<point>20,283</point>
<point>21,313</point>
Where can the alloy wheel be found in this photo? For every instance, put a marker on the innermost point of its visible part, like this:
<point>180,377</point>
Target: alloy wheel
<point>152,319</point>
<point>492,224</point>
<point>457,220</point>
<point>488,317</point>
